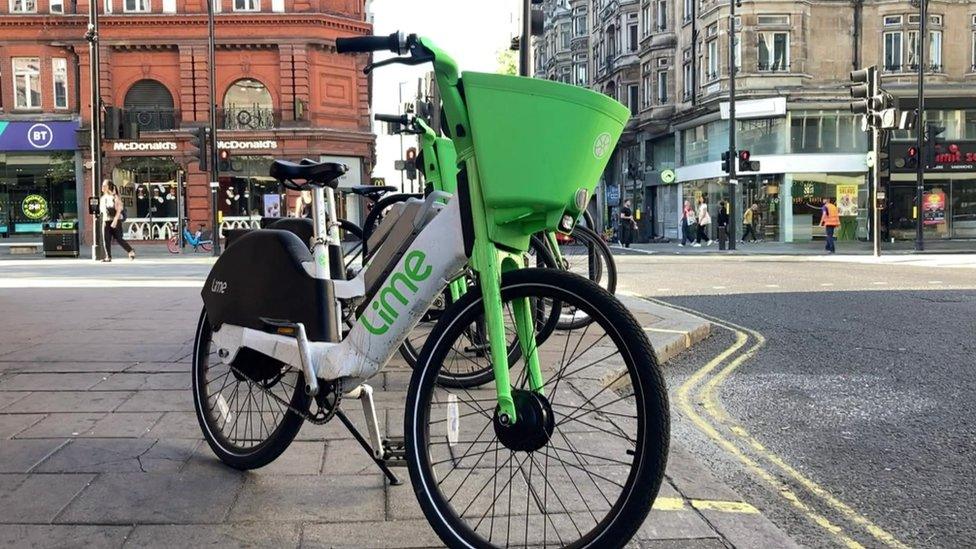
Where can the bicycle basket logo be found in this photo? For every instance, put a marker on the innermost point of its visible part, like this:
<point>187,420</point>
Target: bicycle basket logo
<point>602,145</point>
<point>34,206</point>
<point>414,271</point>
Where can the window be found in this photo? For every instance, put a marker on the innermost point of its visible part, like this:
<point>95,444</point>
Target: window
<point>774,51</point>
<point>136,6</point>
<point>632,42</point>
<point>935,51</point>
<point>59,66</point>
<point>23,6</point>
<point>892,20</point>
<point>27,82</point>
<point>56,6</point>
<point>892,51</point>
<point>566,36</point>
<point>935,20</point>
<point>689,10</point>
<point>737,41</point>
<point>911,51</point>
<point>580,74</point>
<point>662,62</point>
<point>662,16</point>
<point>711,30</point>
<point>248,106</point>
<point>108,6</point>
<point>914,19</point>
<point>247,5</point>
<point>773,20</point>
<point>633,95</point>
<point>579,23</point>
<point>662,87</point>
<point>973,66</point>
<point>169,6</point>
<point>646,20</point>
<point>712,60</point>
<point>646,85</point>
<point>687,81</point>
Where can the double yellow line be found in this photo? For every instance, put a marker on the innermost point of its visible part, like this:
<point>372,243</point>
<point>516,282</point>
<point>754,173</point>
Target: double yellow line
<point>701,389</point>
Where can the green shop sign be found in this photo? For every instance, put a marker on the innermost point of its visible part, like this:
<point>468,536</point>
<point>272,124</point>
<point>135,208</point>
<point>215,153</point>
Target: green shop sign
<point>34,207</point>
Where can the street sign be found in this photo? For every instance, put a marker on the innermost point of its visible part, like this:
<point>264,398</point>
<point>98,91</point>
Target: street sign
<point>613,194</point>
<point>667,176</point>
<point>399,165</point>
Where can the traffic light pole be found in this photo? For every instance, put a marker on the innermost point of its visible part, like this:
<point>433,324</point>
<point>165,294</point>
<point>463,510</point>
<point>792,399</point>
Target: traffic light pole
<point>876,186</point>
<point>214,170</point>
<point>733,158</point>
<point>96,118</point>
<point>920,126</point>
<point>525,43</point>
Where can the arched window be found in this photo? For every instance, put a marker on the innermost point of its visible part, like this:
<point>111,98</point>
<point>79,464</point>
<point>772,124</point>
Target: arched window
<point>248,106</point>
<point>149,105</point>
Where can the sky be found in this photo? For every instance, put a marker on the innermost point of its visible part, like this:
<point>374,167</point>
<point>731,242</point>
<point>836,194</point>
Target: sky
<point>472,31</point>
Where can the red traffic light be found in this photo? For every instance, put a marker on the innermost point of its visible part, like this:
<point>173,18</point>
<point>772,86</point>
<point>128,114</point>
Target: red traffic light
<point>912,151</point>
<point>744,155</point>
<point>411,153</point>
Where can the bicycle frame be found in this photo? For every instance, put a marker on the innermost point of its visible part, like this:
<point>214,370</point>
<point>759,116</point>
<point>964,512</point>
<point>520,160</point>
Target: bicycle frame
<point>436,257</point>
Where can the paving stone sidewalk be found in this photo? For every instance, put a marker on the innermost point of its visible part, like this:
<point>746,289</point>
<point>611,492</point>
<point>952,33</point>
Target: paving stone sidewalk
<point>99,445</point>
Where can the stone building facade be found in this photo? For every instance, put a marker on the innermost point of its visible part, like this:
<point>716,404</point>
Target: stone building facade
<point>282,92</point>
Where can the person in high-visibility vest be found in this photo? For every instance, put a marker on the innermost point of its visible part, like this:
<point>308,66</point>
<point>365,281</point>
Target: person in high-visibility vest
<point>830,220</point>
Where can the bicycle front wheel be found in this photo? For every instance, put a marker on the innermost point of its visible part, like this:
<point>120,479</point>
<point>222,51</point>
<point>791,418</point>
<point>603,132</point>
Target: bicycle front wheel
<point>582,464</point>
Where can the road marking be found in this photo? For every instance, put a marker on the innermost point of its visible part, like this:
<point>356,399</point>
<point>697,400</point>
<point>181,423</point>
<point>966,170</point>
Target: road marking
<point>719,287</point>
<point>772,285</point>
<point>711,405</point>
<point>879,282</point>
<point>827,284</point>
<point>669,504</point>
<point>666,331</point>
<point>664,289</point>
<point>724,506</point>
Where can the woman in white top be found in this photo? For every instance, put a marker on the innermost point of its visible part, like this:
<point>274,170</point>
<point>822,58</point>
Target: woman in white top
<point>704,220</point>
<point>110,206</point>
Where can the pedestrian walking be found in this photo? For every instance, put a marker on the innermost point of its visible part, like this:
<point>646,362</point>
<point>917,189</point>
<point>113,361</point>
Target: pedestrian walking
<point>723,225</point>
<point>113,214</point>
<point>687,220</point>
<point>830,220</point>
<point>749,223</point>
<point>704,220</point>
<point>628,226</point>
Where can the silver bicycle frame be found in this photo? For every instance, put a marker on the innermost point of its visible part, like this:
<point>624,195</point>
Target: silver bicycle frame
<point>432,260</point>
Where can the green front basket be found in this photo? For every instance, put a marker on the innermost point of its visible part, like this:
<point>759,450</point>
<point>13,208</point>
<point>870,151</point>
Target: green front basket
<point>537,143</point>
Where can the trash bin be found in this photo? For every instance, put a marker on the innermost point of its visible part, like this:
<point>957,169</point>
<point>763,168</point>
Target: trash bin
<point>60,238</point>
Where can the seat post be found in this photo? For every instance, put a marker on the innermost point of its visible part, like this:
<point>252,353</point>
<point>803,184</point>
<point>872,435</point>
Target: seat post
<point>320,228</point>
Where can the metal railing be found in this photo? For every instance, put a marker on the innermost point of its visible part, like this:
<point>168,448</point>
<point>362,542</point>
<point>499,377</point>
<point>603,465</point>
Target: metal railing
<point>773,67</point>
<point>248,117</point>
<point>150,119</point>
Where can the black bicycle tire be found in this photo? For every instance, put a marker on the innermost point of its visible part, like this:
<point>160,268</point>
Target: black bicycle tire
<point>277,441</point>
<point>371,221</point>
<point>650,457</point>
<point>607,278</point>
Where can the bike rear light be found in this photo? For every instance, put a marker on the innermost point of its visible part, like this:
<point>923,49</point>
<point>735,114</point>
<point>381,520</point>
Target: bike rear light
<point>581,197</point>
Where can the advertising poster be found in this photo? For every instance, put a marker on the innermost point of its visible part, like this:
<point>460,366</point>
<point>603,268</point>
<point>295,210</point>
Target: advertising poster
<point>933,208</point>
<point>272,205</point>
<point>847,200</point>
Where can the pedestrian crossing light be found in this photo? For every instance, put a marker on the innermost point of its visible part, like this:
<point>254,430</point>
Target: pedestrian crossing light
<point>224,165</point>
<point>726,162</point>
<point>747,165</point>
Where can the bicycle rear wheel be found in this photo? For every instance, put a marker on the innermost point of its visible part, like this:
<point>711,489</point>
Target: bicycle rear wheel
<point>583,252</point>
<point>244,423</point>
<point>582,465</point>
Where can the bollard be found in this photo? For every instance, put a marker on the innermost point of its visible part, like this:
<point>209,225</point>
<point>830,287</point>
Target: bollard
<point>723,236</point>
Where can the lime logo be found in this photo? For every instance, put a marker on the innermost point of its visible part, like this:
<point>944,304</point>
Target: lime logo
<point>667,176</point>
<point>414,271</point>
<point>34,207</point>
<point>602,145</point>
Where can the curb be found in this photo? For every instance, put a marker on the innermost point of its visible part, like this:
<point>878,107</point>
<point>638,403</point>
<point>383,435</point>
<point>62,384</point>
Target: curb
<point>675,333</point>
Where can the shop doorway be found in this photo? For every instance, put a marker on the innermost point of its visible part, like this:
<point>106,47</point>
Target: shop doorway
<point>763,191</point>
<point>147,185</point>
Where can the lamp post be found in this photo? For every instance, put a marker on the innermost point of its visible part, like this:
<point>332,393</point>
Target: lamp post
<point>733,157</point>
<point>525,42</point>
<point>214,169</point>
<point>96,116</point>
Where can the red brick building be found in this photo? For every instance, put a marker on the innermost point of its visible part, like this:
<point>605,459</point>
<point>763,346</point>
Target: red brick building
<point>282,92</point>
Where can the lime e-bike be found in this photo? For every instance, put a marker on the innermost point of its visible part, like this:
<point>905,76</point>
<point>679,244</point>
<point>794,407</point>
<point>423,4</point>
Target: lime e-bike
<point>568,446</point>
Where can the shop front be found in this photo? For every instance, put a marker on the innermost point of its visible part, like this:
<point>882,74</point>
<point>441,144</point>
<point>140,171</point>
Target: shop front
<point>949,195</point>
<point>147,185</point>
<point>38,175</point>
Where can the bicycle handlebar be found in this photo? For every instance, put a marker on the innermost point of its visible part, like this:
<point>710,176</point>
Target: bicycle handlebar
<point>396,43</point>
<point>402,119</point>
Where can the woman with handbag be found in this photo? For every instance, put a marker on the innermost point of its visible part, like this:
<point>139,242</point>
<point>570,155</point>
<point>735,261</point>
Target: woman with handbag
<point>113,214</point>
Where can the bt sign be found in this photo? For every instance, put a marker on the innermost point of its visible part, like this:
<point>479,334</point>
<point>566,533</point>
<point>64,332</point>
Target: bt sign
<point>40,136</point>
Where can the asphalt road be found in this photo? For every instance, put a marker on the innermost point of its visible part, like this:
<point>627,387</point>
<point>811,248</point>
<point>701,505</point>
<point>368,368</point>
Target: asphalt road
<point>860,401</point>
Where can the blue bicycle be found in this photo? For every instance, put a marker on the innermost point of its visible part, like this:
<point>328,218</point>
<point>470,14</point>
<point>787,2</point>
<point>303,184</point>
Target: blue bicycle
<point>199,240</point>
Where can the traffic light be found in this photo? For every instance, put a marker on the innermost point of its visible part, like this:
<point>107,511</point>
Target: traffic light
<point>933,143</point>
<point>199,142</point>
<point>726,164</point>
<point>862,89</point>
<point>224,164</point>
<point>411,164</point>
<point>747,165</point>
<point>911,157</point>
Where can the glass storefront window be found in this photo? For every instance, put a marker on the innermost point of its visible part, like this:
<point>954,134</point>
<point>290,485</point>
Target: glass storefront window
<point>826,132</point>
<point>247,193</point>
<point>706,143</point>
<point>712,190</point>
<point>35,188</point>
<point>959,124</point>
<point>949,209</point>
<point>808,191</point>
<point>148,188</point>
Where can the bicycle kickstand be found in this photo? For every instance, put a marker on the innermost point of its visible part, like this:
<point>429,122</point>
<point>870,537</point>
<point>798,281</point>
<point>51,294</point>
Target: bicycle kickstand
<point>383,452</point>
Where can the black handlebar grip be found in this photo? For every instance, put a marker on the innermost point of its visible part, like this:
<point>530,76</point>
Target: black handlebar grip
<point>392,118</point>
<point>367,44</point>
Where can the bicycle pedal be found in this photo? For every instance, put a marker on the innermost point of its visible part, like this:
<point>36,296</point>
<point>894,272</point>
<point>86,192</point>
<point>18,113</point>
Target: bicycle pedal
<point>394,452</point>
